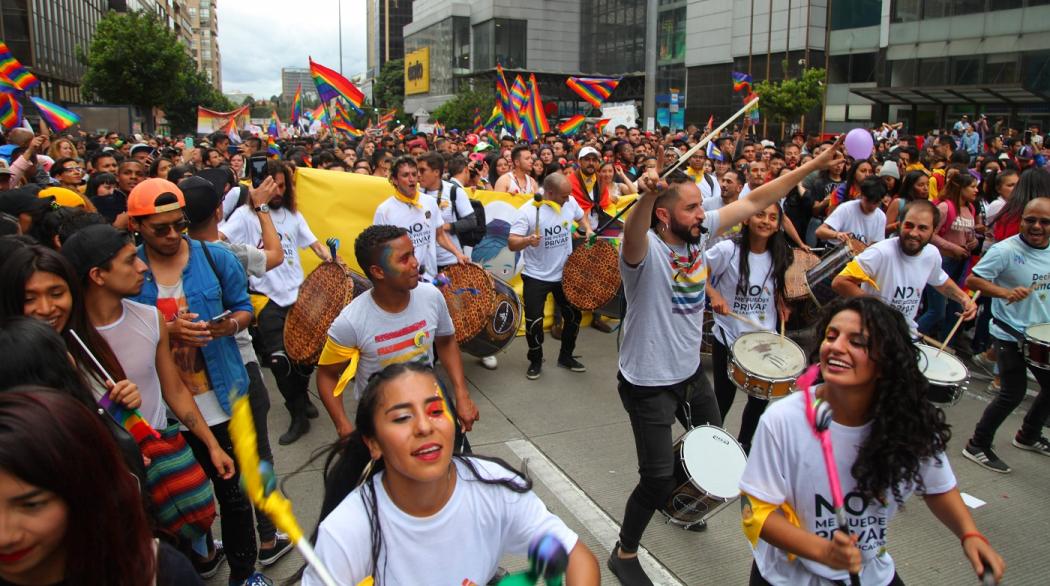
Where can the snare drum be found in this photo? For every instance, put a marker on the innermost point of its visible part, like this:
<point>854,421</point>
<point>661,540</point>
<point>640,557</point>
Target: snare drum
<point>819,278</point>
<point>946,373</point>
<point>708,465</point>
<point>765,365</point>
<point>1037,346</point>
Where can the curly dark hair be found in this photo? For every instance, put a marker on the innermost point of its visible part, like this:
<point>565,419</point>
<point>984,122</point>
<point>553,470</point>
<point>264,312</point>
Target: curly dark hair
<point>368,244</point>
<point>905,427</point>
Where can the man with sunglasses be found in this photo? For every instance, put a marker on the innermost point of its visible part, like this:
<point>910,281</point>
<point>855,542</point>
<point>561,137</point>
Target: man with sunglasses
<point>193,284</point>
<point>69,174</point>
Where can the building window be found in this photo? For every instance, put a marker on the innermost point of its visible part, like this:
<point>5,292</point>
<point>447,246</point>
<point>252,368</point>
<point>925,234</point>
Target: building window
<point>902,73</point>
<point>966,70</point>
<point>855,13</point>
<point>460,44</point>
<point>671,31</point>
<point>1001,68</point>
<point>500,40</point>
<point>1035,70</point>
<point>856,68</point>
<point>933,72</point>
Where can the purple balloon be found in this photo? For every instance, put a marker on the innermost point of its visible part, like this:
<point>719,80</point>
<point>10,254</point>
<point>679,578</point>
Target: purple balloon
<point>859,143</point>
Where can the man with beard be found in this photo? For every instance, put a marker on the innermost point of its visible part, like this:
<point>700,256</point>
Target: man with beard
<point>898,269</point>
<point>586,189</point>
<point>277,291</point>
<point>519,180</point>
<point>664,281</point>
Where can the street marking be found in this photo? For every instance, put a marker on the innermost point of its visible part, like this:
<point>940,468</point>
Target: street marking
<point>593,518</point>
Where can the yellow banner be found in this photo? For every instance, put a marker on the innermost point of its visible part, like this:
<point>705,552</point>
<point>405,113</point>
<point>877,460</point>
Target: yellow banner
<point>417,72</point>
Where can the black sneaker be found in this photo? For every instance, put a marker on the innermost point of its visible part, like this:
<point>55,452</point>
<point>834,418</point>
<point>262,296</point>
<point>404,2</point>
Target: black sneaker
<point>572,364</point>
<point>297,429</point>
<point>533,372</point>
<point>1039,446</point>
<point>629,571</point>
<point>269,555</point>
<point>311,410</point>
<point>985,458</point>
<point>207,569</point>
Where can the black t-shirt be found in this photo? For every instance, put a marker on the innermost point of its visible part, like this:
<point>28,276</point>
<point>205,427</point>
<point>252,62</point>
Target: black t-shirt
<point>799,209</point>
<point>112,205</point>
<point>173,569</point>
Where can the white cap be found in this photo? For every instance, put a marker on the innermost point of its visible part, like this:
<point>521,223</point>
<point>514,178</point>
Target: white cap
<point>768,143</point>
<point>587,151</point>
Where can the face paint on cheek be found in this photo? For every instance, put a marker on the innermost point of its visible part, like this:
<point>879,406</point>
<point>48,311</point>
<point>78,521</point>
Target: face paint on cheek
<point>443,405</point>
<point>386,262</point>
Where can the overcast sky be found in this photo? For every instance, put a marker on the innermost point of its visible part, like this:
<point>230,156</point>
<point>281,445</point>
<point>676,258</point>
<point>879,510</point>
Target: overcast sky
<point>259,37</point>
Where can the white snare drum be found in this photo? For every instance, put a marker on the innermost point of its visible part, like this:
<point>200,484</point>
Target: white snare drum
<point>765,365</point>
<point>707,469</point>
<point>1037,346</point>
<point>946,373</point>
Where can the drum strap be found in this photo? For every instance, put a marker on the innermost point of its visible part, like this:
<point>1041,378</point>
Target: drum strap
<point>1008,328</point>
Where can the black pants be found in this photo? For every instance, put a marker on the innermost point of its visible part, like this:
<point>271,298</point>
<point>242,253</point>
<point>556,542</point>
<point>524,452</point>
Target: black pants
<point>726,391</point>
<point>758,580</point>
<point>293,379</point>
<point>652,411</point>
<point>259,399</point>
<point>238,527</point>
<point>535,297</point>
<point>1014,383</point>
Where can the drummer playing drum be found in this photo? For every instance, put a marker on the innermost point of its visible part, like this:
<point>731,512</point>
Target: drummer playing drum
<point>1015,273</point>
<point>897,269</point>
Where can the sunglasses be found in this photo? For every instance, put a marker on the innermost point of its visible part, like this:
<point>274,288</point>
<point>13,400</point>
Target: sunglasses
<point>161,230</point>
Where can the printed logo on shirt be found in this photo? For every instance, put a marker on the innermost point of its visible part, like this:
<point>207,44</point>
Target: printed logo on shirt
<point>406,344</point>
<point>906,299</point>
<point>687,287</point>
<point>420,233</point>
<point>751,300</point>
<point>556,236</point>
<point>867,524</point>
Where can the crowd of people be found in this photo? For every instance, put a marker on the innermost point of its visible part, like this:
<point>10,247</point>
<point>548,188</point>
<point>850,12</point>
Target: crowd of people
<point>156,274</point>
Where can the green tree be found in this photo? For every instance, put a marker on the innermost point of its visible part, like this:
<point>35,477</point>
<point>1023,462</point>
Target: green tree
<point>786,101</point>
<point>388,91</point>
<point>134,59</point>
<point>459,111</point>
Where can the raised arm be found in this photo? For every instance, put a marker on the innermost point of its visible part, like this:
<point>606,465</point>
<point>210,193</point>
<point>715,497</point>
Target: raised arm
<point>635,239</point>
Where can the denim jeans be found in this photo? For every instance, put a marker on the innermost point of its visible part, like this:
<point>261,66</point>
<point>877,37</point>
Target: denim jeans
<point>1014,383</point>
<point>940,312</point>
<point>238,526</point>
<point>652,411</point>
<point>534,295</point>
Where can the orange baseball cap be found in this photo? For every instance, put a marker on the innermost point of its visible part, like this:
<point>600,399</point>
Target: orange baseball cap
<point>155,196</point>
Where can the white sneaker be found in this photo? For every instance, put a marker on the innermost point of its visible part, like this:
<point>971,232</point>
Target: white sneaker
<point>490,362</point>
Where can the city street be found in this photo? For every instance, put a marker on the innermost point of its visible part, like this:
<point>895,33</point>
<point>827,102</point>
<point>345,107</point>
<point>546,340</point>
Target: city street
<point>574,434</point>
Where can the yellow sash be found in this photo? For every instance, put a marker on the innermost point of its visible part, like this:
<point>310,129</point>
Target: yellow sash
<point>753,513</point>
<point>259,302</point>
<point>854,271</point>
<point>334,353</point>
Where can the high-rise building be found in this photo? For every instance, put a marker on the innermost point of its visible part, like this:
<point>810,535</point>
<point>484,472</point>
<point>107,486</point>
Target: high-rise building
<point>384,31</point>
<point>45,34</point>
<point>291,77</point>
<point>204,46</point>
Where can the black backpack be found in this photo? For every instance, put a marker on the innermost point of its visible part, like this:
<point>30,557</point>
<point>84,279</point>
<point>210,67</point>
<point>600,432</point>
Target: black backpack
<point>474,235</point>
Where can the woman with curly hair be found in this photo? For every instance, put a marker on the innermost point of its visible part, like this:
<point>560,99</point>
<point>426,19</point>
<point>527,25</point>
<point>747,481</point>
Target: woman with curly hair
<point>889,443</point>
<point>401,508</point>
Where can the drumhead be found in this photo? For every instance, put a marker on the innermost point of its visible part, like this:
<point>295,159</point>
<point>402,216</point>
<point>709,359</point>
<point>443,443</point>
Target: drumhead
<point>768,355</point>
<point>713,460</point>
<point>942,369</point>
<point>1039,332</point>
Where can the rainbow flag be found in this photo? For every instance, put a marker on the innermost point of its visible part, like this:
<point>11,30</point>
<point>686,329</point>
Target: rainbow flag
<point>507,111</point>
<point>600,125</point>
<point>439,129</point>
<point>10,111</point>
<point>388,117</point>
<point>713,152</point>
<point>753,113</point>
<point>495,119</point>
<point>271,147</point>
<point>594,90</point>
<point>8,86</point>
<point>572,125</point>
<point>297,104</point>
<point>274,129</point>
<point>129,419</point>
<point>57,117</point>
<point>534,119</point>
<point>331,85</point>
<point>741,82</point>
<point>317,113</point>
<point>519,93</point>
<point>231,131</point>
<point>477,120</point>
<point>10,67</point>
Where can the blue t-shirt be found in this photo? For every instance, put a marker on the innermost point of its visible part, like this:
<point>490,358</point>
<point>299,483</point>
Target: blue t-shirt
<point>1013,263</point>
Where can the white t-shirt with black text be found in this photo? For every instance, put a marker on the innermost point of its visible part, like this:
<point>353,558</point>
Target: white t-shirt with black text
<point>282,283</point>
<point>448,216</point>
<point>901,278</point>
<point>546,261</point>
<point>755,301</point>
<point>850,218</point>
<point>422,224</point>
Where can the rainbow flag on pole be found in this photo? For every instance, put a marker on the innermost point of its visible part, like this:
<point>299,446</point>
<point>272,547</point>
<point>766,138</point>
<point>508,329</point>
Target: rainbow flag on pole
<point>10,111</point>
<point>600,125</point>
<point>317,113</point>
<point>496,119</point>
<point>507,111</point>
<point>518,95</point>
<point>534,119</point>
<point>271,147</point>
<point>297,104</point>
<point>331,85</point>
<point>594,90</point>
<point>477,120</point>
<point>13,69</point>
<point>572,125</point>
<point>129,419</point>
<point>8,86</point>
<point>57,117</point>
<point>741,82</point>
<point>388,117</point>
<point>274,129</point>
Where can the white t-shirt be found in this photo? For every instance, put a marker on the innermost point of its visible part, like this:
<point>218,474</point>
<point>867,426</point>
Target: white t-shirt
<point>386,338</point>
<point>254,262</point>
<point>849,218</point>
<point>448,216</point>
<point>665,311</point>
<point>786,465</point>
<point>422,224</point>
<point>134,338</point>
<point>755,302</point>
<point>460,544</point>
<point>546,261</point>
<point>282,283</point>
<point>901,278</point>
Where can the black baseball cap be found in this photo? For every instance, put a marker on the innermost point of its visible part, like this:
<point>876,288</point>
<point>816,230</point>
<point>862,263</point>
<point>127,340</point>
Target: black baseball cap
<point>23,200</point>
<point>93,246</point>
<point>202,198</point>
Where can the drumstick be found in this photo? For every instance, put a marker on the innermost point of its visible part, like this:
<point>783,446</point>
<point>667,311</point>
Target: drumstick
<point>537,200</point>
<point>934,342</point>
<point>746,320</point>
<point>783,326</point>
<point>958,323</point>
<point>710,136</point>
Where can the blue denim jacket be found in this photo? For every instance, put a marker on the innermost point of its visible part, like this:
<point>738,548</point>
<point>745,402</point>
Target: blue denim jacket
<point>207,298</point>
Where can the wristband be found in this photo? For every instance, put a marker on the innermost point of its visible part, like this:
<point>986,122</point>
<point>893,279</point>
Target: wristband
<point>236,327</point>
<point>977,534</point>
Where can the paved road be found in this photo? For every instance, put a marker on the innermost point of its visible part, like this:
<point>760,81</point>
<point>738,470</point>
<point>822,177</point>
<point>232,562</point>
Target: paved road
<point>576,436</point>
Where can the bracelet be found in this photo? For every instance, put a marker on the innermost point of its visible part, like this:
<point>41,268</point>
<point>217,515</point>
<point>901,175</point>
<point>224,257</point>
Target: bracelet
<point>236,327</point>
<point>977,534</point>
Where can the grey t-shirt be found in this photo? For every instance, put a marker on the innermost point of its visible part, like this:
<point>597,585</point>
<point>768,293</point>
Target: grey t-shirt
<point>665,311</point>
<point>386,338</point>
